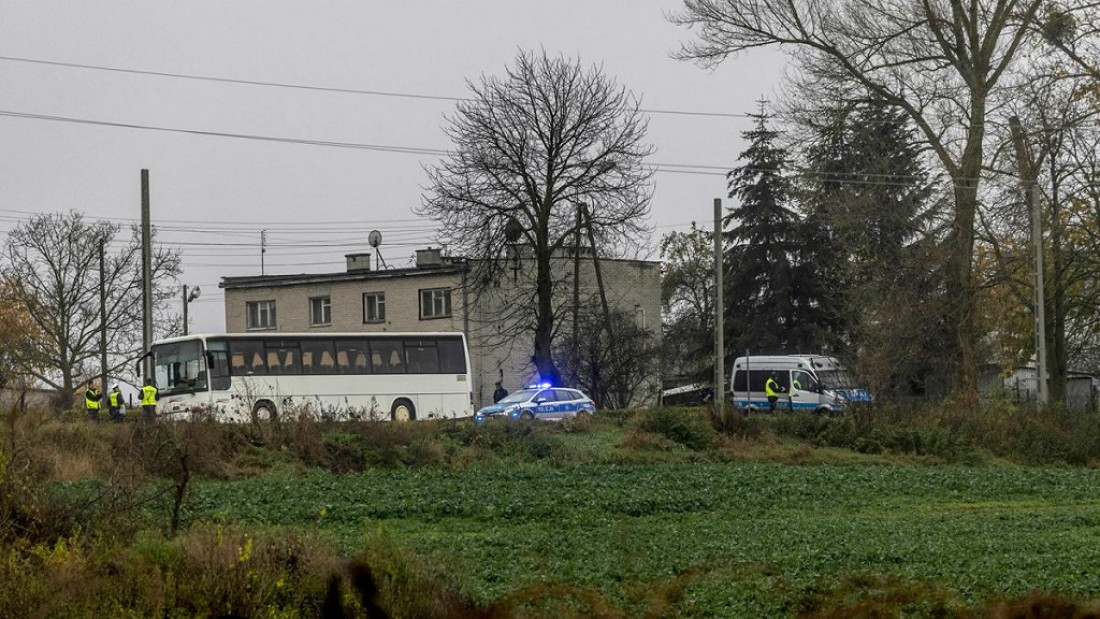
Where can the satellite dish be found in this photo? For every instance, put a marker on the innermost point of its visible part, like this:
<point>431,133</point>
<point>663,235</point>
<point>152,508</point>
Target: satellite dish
<point>374,238</point>
<point>512,230</point>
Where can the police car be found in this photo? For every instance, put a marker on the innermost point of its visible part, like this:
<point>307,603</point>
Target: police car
<point>539,402</point>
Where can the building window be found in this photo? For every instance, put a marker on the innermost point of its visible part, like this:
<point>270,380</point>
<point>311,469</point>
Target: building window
<point>435,303</point>
<point>320,311</point>
<point>374,307</point>
<point>261,314</point>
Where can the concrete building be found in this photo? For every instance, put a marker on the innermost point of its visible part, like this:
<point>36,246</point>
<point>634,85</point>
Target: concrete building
<point>437,295</point>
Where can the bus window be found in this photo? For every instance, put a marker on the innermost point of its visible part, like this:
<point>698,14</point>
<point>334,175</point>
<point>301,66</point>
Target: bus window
<point>282,358</point>
<point>318,357</point>
<point>452,356</point>
<point>217,352</point>
<point>250,355</point>
<point>351,357</point>
<point>423,356</point>
<point>390,356</point>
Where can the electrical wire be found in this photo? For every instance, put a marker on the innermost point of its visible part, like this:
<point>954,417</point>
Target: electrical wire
<point>354,91</point>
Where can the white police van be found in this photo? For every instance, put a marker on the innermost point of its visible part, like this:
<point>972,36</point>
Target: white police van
<point>806,382</point>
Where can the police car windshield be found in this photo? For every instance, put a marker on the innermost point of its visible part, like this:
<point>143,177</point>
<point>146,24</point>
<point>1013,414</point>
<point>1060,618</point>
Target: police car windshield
<point>522,395</point>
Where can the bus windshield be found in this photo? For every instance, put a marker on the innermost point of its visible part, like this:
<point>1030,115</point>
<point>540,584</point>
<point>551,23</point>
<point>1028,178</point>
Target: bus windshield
<point>179,367</point>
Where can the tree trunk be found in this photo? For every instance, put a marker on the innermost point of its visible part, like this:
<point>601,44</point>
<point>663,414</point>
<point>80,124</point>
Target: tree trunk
<point>544,319</point>
<point>964,384</point>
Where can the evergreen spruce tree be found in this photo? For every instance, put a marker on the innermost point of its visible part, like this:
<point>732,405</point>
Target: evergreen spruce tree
<point>867,203</point>
<point>760,242</point>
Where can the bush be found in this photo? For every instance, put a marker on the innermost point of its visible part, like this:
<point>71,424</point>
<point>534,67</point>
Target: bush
<point>505,438</point>
<point>687,426</point>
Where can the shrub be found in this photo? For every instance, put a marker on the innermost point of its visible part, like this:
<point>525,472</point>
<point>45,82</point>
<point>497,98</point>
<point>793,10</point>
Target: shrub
<point>505,438</point>
<point>687,426</point>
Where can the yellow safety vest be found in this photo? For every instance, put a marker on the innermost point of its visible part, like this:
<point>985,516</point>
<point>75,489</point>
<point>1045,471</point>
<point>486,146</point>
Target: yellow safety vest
<point>115,399</point>
<point>91,399</point>
<point>148,395</point>
<point>769,387</point>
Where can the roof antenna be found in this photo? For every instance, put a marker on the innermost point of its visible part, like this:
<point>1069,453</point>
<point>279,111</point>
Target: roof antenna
<point>375,239</point>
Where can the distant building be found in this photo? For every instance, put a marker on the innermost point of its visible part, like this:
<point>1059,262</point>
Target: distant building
<point>436,295</point>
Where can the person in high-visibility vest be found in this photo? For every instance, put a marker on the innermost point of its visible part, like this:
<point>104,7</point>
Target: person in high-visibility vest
<point>92,396</point>
<point>771,389</point>
<point>114,404</point>
<point>149,401</point>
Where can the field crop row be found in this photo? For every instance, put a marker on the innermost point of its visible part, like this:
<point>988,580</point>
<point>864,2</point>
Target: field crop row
<point>736,539</point>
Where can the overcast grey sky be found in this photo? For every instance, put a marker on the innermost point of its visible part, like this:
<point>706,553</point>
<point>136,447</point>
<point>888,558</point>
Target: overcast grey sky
<point>212,195</point>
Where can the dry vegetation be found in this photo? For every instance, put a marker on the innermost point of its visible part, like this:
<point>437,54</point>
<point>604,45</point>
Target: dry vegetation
<point>92,524</point>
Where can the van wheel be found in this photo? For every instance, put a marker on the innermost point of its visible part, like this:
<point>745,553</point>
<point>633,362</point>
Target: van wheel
<point>527,415</point>
<point>403,410</point>
<point>823,411</point>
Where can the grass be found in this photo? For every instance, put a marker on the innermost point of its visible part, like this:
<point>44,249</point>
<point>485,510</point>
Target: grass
<point>654,513</point>
<point>974,533</point>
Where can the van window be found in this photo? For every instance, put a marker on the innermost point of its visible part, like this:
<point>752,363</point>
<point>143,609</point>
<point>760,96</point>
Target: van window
<point>757,378</point>
<point>805,380</point>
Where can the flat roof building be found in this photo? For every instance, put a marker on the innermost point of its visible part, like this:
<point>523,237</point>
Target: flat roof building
<point>436,294</point>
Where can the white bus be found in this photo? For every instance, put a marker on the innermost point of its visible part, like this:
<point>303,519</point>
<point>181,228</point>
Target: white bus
<point>253,376</point>
<point>806,382</point>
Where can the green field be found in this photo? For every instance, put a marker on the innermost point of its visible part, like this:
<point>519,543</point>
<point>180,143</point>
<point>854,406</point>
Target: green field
<point>727,539</point>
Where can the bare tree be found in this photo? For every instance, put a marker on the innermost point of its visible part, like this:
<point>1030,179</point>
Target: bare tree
<point>53,262</point>
<point>687,302</point>
<point>530,149</point>
<point>938,60</point>
<point>612,359</point>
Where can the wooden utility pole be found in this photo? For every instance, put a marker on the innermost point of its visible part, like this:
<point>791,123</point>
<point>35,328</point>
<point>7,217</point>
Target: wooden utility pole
<point>146,278</point>
<point>719,326</point>
<point>576,288</point>
<point>102,318</point>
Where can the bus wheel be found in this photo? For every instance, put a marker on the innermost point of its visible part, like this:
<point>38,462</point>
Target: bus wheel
<point>403,410</point>
<point>264,410</point>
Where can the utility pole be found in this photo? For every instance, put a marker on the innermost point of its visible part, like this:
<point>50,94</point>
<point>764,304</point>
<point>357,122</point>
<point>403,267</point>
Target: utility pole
<point>1029,177</point>
<point>102,318</point>
<point>599,284</point>
<point>719,326</point>
<point>146,277</point>
<point>576,287</point>
<point>263,249</point>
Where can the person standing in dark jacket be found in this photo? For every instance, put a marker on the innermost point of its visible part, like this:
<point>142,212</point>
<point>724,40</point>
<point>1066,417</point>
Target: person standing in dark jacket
<point>499,393</point>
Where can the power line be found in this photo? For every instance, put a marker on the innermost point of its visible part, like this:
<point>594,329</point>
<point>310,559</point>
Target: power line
<point>353,91</point>
<point>696,169</point>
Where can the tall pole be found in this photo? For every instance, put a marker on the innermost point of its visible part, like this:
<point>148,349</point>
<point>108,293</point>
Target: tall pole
<point>102,318</point>
<point>1029,178</point>
<point>576,288</point>
<point>186,302</point>
<point>263,249</point>
<point>719,304</point>
<point>146,277</point>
